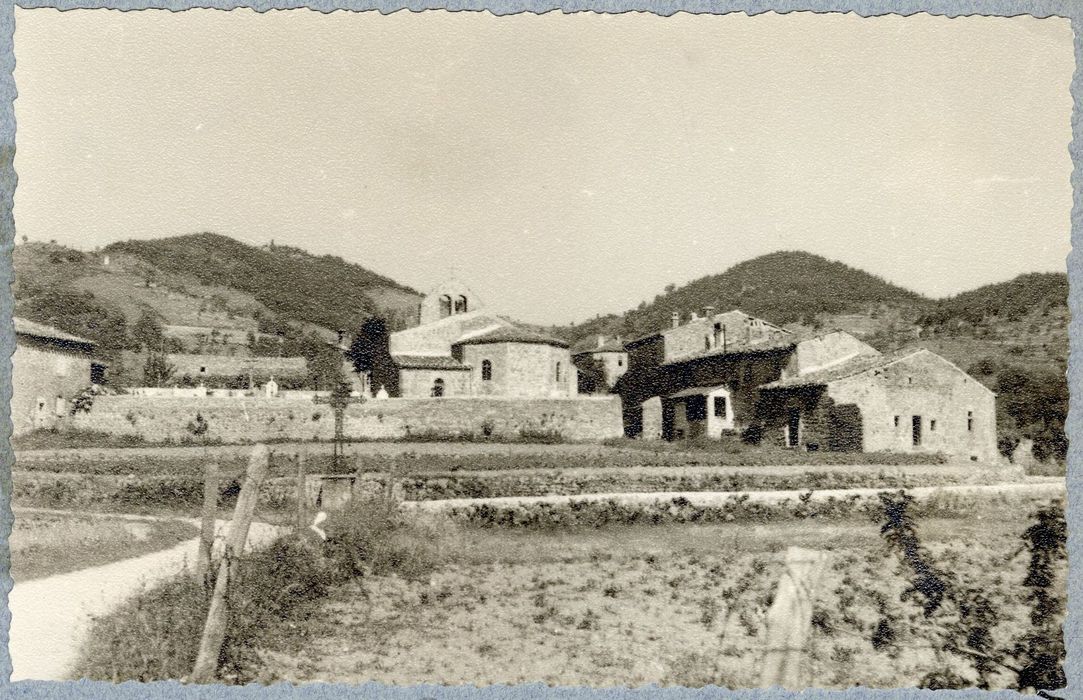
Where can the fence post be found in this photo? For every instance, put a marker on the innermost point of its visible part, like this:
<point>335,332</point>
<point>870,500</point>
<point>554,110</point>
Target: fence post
<point>789,620</point>
<point>214,631</point>
<point>301,491</point>
<point>210,514</point>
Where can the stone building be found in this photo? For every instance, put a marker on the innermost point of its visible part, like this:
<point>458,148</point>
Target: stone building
<point>828,391</point>
<point>611,358</point>
<point>49,367</point>
<point>460,349</point>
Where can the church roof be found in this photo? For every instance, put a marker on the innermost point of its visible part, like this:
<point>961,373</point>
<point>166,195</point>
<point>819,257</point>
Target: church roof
<point>427,362</point>
<point>512,334</point>
<point>608,346</point>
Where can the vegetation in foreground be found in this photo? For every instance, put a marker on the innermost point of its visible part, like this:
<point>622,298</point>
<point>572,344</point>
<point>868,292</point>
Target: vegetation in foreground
<point>408,601</point>
<point>44,544</point>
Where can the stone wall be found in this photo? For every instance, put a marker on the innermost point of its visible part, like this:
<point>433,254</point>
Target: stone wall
<point>196,366</point>
<point>40,374</point>
<point>240,420</point>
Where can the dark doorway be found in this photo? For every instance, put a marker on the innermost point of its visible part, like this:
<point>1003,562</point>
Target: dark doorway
<point>844,428</point>
<point>916,421</point>
<point>793,427</point>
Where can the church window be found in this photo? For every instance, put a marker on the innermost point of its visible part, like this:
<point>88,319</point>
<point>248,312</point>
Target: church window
<point>445,306</point>
<point>558,371</point>
<point>438,388</point>
<point>460,304</point>
<point>486,370</point>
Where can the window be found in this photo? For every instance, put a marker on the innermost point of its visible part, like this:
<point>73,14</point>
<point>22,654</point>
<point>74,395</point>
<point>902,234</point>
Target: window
<point>445,306</point>
<point>932,425</point>
<point>438,388</point>
<point>915,430</point>
<point>486,370</point>
<point>202,370</point>
<point>558,372</point>
<point>720,406</point>
<point>460,305</point>
<point>706,342</point>
<point>896,421</point>
<point>970,421</point>
<point>620,362</point>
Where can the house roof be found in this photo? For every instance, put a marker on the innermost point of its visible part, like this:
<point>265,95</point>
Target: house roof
<point>696,391</point>
<point>850,368</point>
<point>729,316</point>
<point>40,330</point>
<point>445,362</point>
<point>511,334</point>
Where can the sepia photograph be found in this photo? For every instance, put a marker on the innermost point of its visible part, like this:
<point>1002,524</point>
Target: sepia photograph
<point>582,349</point>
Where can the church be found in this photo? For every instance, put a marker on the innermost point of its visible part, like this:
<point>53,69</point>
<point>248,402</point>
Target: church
<point>458,348</point>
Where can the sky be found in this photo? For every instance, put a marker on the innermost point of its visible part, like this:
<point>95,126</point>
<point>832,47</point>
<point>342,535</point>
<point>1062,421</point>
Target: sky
<point>563,166</point>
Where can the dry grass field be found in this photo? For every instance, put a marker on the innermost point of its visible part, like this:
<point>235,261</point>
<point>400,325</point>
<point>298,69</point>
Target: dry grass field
<point>632,605</point>
<point>44,544</point>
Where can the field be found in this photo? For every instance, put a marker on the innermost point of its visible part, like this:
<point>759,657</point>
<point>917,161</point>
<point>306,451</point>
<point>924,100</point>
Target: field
<point>43,544</point>
<point>673,604</point>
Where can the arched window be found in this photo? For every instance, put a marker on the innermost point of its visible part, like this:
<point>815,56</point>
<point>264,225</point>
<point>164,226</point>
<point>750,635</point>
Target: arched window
<point>460,305</point>
<point>438,388</point>
<point>558,372</point>
<point>486,370</point>
<point>445,306</point>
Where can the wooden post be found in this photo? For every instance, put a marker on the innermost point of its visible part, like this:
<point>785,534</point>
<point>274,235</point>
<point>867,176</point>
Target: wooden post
<point>301,491</point>
<point>789,621</point>
<point>210,514</point>
<point>214,631</point>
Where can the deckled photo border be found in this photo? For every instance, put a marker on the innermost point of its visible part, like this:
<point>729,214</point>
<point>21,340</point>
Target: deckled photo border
<point>1073,629</point>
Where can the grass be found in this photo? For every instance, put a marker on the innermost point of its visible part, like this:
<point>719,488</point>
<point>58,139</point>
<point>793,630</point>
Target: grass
<point>52,439</point>
<point>423,600</point>
<point>670,604</point>
<point>155,636</point>
<point>45,544</point>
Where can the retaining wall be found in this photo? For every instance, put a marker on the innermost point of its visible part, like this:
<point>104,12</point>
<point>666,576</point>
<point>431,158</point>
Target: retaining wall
<point>242,420</point>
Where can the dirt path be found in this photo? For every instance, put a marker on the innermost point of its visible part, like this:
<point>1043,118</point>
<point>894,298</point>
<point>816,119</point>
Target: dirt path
<point>714,498</point>
<point>50,616</point>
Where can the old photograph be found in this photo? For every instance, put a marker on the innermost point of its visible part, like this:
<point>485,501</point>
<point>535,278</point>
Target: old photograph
<point>584,349</point>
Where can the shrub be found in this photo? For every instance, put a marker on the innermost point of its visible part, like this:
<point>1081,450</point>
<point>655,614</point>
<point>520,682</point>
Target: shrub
<point>369,537</point>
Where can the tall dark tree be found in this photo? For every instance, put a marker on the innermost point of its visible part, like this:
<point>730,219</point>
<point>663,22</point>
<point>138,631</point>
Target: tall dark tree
<point>370,352</point>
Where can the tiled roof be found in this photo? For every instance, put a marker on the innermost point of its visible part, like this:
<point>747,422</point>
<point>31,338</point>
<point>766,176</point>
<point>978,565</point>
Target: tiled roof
<point>428,362</point>
<point>40,330</point>
<point>512,334</point>
<point>850,368</point>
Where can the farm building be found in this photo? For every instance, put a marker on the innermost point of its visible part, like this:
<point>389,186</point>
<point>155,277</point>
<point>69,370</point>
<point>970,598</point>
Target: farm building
<point>828,391</point>
<point>49,367</point>
<point>460,349</point>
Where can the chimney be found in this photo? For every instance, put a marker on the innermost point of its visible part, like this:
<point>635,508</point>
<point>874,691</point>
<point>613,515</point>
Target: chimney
<point>676,318</point>
<point>601,340</point>
<point>708,311</point>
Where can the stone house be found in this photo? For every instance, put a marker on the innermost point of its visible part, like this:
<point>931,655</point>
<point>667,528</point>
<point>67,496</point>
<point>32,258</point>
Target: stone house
<point>610,356</point>
<point>460,349</point>
<point>48,369</point>
<point>908,401</point>
<point>828,391</point>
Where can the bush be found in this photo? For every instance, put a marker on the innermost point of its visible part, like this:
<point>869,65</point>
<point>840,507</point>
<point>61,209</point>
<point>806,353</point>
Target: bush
<point>370,537</point>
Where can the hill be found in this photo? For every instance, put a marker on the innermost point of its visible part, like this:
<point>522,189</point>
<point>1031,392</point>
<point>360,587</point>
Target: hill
<point>785,288</point>
<point>202,293</point>
<point>290,283</point>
